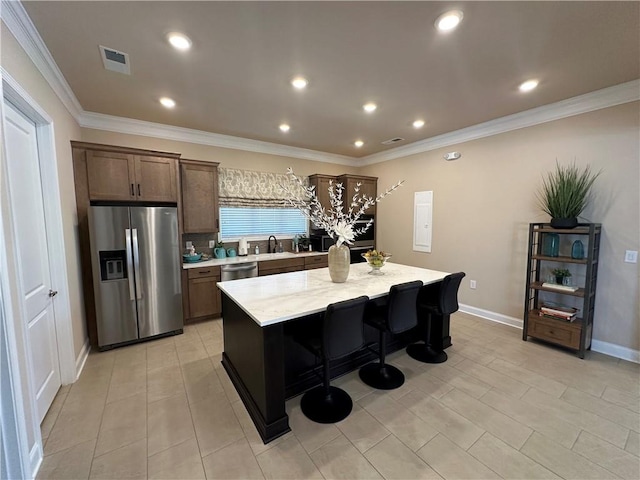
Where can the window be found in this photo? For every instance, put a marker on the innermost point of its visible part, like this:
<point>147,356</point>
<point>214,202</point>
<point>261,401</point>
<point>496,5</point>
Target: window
<point>238,222</point>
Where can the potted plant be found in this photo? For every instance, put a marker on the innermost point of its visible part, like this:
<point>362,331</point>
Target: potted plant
<point>565,193</point>
<point>560,274</point>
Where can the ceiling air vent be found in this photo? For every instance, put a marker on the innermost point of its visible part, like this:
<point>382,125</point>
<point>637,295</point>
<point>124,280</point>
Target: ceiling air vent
<point>392,140</point>
<point>115,61</point>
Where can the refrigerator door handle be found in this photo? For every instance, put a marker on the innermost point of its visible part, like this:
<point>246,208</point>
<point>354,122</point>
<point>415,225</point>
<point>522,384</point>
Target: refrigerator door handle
<point>132,292</point>
<point>136,262</point>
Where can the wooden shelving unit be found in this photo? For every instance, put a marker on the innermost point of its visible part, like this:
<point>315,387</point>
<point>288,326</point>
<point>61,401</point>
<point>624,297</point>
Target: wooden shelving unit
<point>577,334</point>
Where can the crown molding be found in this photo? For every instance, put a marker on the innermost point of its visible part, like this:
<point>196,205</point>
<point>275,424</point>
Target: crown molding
<point>20,25</point>
<point>589,102</point>
<point>15,17</point>
<point>130,126</point>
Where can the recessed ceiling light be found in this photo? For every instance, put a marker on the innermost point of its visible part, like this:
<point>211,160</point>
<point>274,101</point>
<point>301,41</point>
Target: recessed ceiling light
<point>528,85</point>
<point>299,83</point>
<point>369,107</point>
<point>179,41</point>
<point>167,102</point>
<point>418,124</point>
<point>358,143</point>
<point>284,127</point>
<point>449,20</point>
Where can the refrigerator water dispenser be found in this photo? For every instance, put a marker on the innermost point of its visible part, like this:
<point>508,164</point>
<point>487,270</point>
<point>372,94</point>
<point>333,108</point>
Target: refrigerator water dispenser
<point>113,265</point>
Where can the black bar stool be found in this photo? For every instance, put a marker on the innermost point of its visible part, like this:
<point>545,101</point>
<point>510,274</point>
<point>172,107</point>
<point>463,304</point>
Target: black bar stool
<point>339,333</point>
<point>396,315</point>
<point>435,299</point>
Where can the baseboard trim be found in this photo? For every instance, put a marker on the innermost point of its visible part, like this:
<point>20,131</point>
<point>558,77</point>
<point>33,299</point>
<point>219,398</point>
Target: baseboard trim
<point>35,458</point>
<point>82,358</point>
<point>617,351</point>
<point>493,316</point>
<point>599,346</point>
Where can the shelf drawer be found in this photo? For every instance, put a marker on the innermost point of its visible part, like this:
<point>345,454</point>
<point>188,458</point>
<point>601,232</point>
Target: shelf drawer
<point>556,331</point>
<point>203,272</point>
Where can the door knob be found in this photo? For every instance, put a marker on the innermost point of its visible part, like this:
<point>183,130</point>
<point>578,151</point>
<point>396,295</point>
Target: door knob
<point>53,293</point>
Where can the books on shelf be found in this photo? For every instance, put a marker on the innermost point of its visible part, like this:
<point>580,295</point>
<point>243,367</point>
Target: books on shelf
<point>564,288</point>
<point>558,312</point>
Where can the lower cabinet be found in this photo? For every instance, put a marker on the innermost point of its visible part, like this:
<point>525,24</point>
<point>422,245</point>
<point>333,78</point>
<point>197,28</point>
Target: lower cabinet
<point>316,261</point>
<point>285,265</point>
<point>204,296</point>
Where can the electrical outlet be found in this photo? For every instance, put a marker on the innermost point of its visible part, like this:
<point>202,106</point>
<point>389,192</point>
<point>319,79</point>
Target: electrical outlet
<point>631,256</point>
<point>189,245</point>
<point>212,243</point>
<point>472,284</point>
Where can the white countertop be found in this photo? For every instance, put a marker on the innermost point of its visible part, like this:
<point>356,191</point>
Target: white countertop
<point>263,257</point>
<point>278,298</point>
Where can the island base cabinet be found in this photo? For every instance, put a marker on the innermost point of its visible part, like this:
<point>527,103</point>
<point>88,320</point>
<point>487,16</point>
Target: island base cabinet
<point>254,360</point>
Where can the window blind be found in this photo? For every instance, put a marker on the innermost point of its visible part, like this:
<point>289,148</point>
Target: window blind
<point>238,222</point>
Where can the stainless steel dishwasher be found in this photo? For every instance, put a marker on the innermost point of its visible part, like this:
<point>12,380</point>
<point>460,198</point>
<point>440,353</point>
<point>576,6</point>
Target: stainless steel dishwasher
<point>238,270</point>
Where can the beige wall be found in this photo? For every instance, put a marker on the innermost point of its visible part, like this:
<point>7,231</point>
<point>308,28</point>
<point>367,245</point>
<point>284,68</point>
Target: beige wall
<point>484,201</point>
<point>228,158</point>
<point>16,62</point>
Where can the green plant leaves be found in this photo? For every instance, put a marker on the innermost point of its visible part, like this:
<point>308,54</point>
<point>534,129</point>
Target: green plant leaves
<point>565,191</point>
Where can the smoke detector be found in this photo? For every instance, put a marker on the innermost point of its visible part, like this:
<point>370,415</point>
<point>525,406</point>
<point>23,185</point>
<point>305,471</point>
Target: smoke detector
<point>115,60</point>
<point>392,140</point>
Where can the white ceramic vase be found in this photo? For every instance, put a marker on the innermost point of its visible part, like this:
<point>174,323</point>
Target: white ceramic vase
<point>339,260</point>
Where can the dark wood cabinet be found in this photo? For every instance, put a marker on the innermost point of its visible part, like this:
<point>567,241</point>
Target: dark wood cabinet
<point>122,176</point>
<point>199,196</point>
<point>204,296</point>
<point>285,265</point>
<point>574,334</point>
<point>368,187</point>
<point>322,182</point>
<point>110,176</point>
<point>156,179</point>
<point>316,261</point>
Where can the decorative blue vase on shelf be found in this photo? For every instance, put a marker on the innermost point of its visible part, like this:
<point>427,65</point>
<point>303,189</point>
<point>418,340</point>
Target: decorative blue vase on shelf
<point>577,250</point>
<point>551,244</point>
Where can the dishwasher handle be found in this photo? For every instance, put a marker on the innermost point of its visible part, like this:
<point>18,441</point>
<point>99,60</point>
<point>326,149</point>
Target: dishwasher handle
<point>243,268</point>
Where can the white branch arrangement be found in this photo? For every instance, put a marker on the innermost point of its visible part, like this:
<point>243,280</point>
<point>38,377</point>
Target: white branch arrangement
<point>335,221</point>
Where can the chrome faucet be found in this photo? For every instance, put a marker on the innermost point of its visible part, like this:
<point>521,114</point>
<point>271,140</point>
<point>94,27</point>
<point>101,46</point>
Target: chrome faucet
<point>275,244</point>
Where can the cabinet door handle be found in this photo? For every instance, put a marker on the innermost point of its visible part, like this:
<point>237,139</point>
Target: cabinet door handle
<point>139,194</point>
<point>132,191</point>
<point>204,272</point>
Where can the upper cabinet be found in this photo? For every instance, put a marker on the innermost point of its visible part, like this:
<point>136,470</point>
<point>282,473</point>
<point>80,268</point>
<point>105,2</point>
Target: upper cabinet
<point>120,174</point>
<point>321,182</point>
<point>199,196</point>
<point>368,187</point>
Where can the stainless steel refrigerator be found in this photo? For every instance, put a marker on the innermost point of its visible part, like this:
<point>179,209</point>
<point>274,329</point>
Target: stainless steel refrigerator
<point>136,272</point>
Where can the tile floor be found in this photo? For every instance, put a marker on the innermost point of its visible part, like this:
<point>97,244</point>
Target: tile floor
<point>499,408</point>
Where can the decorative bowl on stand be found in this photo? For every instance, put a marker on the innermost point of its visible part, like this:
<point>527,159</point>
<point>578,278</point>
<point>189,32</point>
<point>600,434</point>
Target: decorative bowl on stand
<point>376,261</point>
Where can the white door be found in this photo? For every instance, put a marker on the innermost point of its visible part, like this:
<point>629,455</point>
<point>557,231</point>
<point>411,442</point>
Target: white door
<point>25,192</point>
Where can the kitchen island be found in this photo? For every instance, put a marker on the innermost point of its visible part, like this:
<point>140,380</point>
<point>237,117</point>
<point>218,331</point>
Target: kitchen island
<point>259,314</point>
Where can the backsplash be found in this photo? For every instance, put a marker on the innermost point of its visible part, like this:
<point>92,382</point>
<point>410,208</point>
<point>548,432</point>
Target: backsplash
<point>201,242</point>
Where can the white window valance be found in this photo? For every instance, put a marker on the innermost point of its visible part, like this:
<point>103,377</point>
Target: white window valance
<point>247,188</point>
